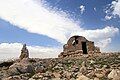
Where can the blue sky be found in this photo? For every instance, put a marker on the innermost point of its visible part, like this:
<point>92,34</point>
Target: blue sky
<point>50,23</point>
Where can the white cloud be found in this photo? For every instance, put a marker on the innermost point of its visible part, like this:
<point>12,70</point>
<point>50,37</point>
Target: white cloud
<point>82,9</point>
<point>12,50</point>
<point>108,17</point>
<point>102,37</point>
<point>113,9</point>
<point>104,43</point>
<point>94,9</point>
<point>35,18</point>
<point>116,6</point>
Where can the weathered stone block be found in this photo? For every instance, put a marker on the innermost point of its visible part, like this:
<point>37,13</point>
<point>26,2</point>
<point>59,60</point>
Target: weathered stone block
<point>78,45</point>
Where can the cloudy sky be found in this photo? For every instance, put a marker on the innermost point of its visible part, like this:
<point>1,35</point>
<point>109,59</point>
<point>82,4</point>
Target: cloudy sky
<point>45,25</point>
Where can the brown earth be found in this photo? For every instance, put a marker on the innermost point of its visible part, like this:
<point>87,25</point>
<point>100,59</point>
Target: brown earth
<point>104,66</point>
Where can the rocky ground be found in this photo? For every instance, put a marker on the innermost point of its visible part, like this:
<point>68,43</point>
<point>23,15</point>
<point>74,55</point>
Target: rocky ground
<point>95,67</point>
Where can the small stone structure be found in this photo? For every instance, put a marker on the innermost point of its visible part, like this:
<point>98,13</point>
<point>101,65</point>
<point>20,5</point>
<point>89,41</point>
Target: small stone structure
<point>24,52</point>
<point>77,46</point>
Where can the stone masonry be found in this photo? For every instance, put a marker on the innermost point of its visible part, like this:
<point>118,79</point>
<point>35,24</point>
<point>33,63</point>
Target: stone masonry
<point>24,52</point>
<point>77,46</point>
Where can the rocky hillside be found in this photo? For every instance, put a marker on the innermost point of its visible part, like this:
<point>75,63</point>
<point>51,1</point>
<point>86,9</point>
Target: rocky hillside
<point>104,66</point>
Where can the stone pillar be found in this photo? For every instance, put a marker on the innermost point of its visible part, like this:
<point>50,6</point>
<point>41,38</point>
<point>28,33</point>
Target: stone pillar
<point>24,52</point>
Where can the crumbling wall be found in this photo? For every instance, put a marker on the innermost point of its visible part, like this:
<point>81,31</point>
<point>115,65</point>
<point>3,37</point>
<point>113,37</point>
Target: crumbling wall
<point>77,46</point>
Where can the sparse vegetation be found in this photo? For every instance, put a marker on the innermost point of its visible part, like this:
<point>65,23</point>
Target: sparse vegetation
<point>98,66</point>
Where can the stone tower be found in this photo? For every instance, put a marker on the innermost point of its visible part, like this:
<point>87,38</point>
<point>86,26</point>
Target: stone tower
<point>24,52</point>
<point>77,46</point>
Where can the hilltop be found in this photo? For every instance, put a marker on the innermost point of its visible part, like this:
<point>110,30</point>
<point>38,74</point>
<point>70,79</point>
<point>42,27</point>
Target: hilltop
<point>80,60</point>
<point>104,66</point>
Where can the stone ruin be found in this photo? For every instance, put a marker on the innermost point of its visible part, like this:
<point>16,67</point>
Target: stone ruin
<point>24,52</point>
<point>78,46</point>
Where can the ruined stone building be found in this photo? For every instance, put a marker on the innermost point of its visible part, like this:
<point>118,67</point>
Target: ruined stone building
<point>24,52</point>
<point>77,46</point>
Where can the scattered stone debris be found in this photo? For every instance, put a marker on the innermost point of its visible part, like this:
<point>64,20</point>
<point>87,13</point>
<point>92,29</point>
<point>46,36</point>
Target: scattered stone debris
<point>114,74</point>
<point>77,46</point>
<point>82,77</point>
<point>24,52</point>
<point>104,66</point>
<point>6,64</point>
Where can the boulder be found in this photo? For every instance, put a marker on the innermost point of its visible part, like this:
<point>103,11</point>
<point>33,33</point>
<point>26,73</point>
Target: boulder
<point>57,75</point>
<point>96,78</point>
<point>114,74</point>
<point>21,67</point>
<point>82,77</point>
<point>56,79</point>
<point>13,78</point>
<point>99,75</point>
<point>75,69</point>
<point>83,68</point>
<point>37,76</point>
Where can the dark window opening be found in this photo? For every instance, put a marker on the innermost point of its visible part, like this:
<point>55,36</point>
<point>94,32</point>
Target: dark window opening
<point>75,42</point>
<point>64,55</point>
<point>84,47</point>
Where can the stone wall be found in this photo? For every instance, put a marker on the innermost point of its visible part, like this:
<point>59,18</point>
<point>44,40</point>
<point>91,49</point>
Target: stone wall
<point>77,46</point>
